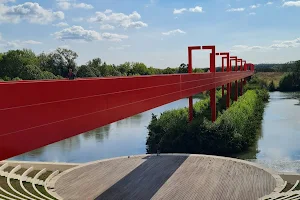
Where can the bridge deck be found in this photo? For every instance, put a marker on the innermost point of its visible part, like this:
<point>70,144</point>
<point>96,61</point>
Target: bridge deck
<point>167,177</point>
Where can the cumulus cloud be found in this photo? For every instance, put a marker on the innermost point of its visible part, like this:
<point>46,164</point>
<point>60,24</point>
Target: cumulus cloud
<point>292,3</point>
<point>30,12</point>
<point>255,6</point>
<point>77,33</point>
<point>15,44</point>
<point>119,19</point>
<point>275,46</point>
<point>107,27</point>
<point>196,9</point>
<point>6,1</point>
<point>174,32</point>
<point>114,37</point>
<point>80,34</point>
<point>68,4</point>
<point>121,47</point>
<point>235,10</point>
<point>269,3</point>
<point>61,24</point>
<point>179,11</point>
<point>182,10</point>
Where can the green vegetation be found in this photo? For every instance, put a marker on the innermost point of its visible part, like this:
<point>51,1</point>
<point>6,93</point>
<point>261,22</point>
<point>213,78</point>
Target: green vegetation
<point>233,132</point>
<point>291,80</point>
<point>26,65</point>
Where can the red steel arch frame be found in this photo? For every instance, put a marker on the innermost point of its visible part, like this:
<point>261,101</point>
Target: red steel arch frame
<point>37,113</point>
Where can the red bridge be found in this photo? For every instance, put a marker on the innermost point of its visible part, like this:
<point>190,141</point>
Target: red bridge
<point>37,113</point>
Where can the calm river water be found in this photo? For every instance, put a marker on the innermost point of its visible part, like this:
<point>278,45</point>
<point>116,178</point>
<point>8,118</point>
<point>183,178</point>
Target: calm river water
<point>277,148</point>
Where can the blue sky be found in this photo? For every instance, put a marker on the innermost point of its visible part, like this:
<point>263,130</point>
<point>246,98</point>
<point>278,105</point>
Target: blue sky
<point>156,32</point>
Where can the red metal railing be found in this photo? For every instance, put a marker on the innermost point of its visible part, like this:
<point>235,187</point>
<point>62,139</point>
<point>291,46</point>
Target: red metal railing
<point>37,113</point>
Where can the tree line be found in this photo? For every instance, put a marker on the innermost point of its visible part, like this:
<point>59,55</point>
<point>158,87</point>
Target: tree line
<point>26,65</point>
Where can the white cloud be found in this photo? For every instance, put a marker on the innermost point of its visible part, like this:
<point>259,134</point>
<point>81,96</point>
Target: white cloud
<point>252,13</point>
<point>80,34</point>
<point>108,11</point>
<point>30,12</point>
<point>173,32</point>
<point>196,9</point>
<point>182,10</point>
<point>77,33</point>
<point>15,44</point>
<point>292,3</point>
<point>121,47</point>
<point>80,19</point>
<point>68,4</point>
<point>269,3</point>
<point>61,24</point>
<point>83,6</point>
<point>107,27</point>
<point>255,6</point>
<point>31,42</point>
<point>119,19</point>
<point>179,11</point>
<point>275,46</point>
<point>6,1</point>
<point>114,37</point>
<point>235,10</point>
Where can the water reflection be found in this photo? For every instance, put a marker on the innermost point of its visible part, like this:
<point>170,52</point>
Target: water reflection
<point>279,147</point>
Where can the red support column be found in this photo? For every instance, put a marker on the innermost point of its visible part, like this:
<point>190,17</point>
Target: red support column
<point>228,84</point>
<point>190,70</point>
<point>213,105</point>
<point>236,84</point>
<point>223,71</point>
<point>241,82</point>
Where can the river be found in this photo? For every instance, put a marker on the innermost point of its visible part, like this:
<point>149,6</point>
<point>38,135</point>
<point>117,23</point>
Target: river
<point>278,146</point>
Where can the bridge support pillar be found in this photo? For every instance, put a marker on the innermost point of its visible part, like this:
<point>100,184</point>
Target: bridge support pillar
<point>213,105</point>
<point>190,70</point>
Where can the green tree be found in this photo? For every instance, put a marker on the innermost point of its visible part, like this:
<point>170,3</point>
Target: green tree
<point>139,68</point>
<point>12,62</point>
<point>125,68</point>
<point>86,71</point>
<point>59,61</point>
<point>48,75</point>
<point>31,72</point>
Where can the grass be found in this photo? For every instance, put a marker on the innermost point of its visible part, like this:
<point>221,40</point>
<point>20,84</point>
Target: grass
<point>3,184</point>
<point>270,76</point>
<point>8,169</point>
<point>20,171</point>
<point>33,173</point>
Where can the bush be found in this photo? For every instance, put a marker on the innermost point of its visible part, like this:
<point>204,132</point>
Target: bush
<point>16,79</point>
<point>48,75</point>
<point>31,72</point>
<point>272,86</point>
<point>233,132</point>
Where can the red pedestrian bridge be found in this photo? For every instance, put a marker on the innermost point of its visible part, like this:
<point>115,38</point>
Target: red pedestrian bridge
<point>37,113</point>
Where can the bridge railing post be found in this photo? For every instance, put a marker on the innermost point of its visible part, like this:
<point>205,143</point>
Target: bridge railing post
<point>190,70</point>
<point>236,82</point>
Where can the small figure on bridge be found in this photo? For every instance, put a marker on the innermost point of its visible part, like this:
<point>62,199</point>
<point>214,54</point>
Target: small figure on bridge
<point>71,75</point>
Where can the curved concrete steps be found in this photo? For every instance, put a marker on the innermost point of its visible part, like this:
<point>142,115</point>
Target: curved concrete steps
<point>15,184</point>
<point>291,194</point>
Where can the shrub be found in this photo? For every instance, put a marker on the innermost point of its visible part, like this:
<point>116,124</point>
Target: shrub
<point>233,132</point>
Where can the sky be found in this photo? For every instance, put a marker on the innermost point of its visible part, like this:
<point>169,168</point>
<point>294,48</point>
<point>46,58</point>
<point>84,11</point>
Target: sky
<point>155,32</point>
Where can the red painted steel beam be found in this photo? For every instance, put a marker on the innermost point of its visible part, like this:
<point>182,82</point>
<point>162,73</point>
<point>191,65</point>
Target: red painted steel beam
<point>225,56</point>
<point>236,82</point>
<point>37,113</point>
<point>213,105</point>
<point>228,69</point>
<point>190,70</point>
